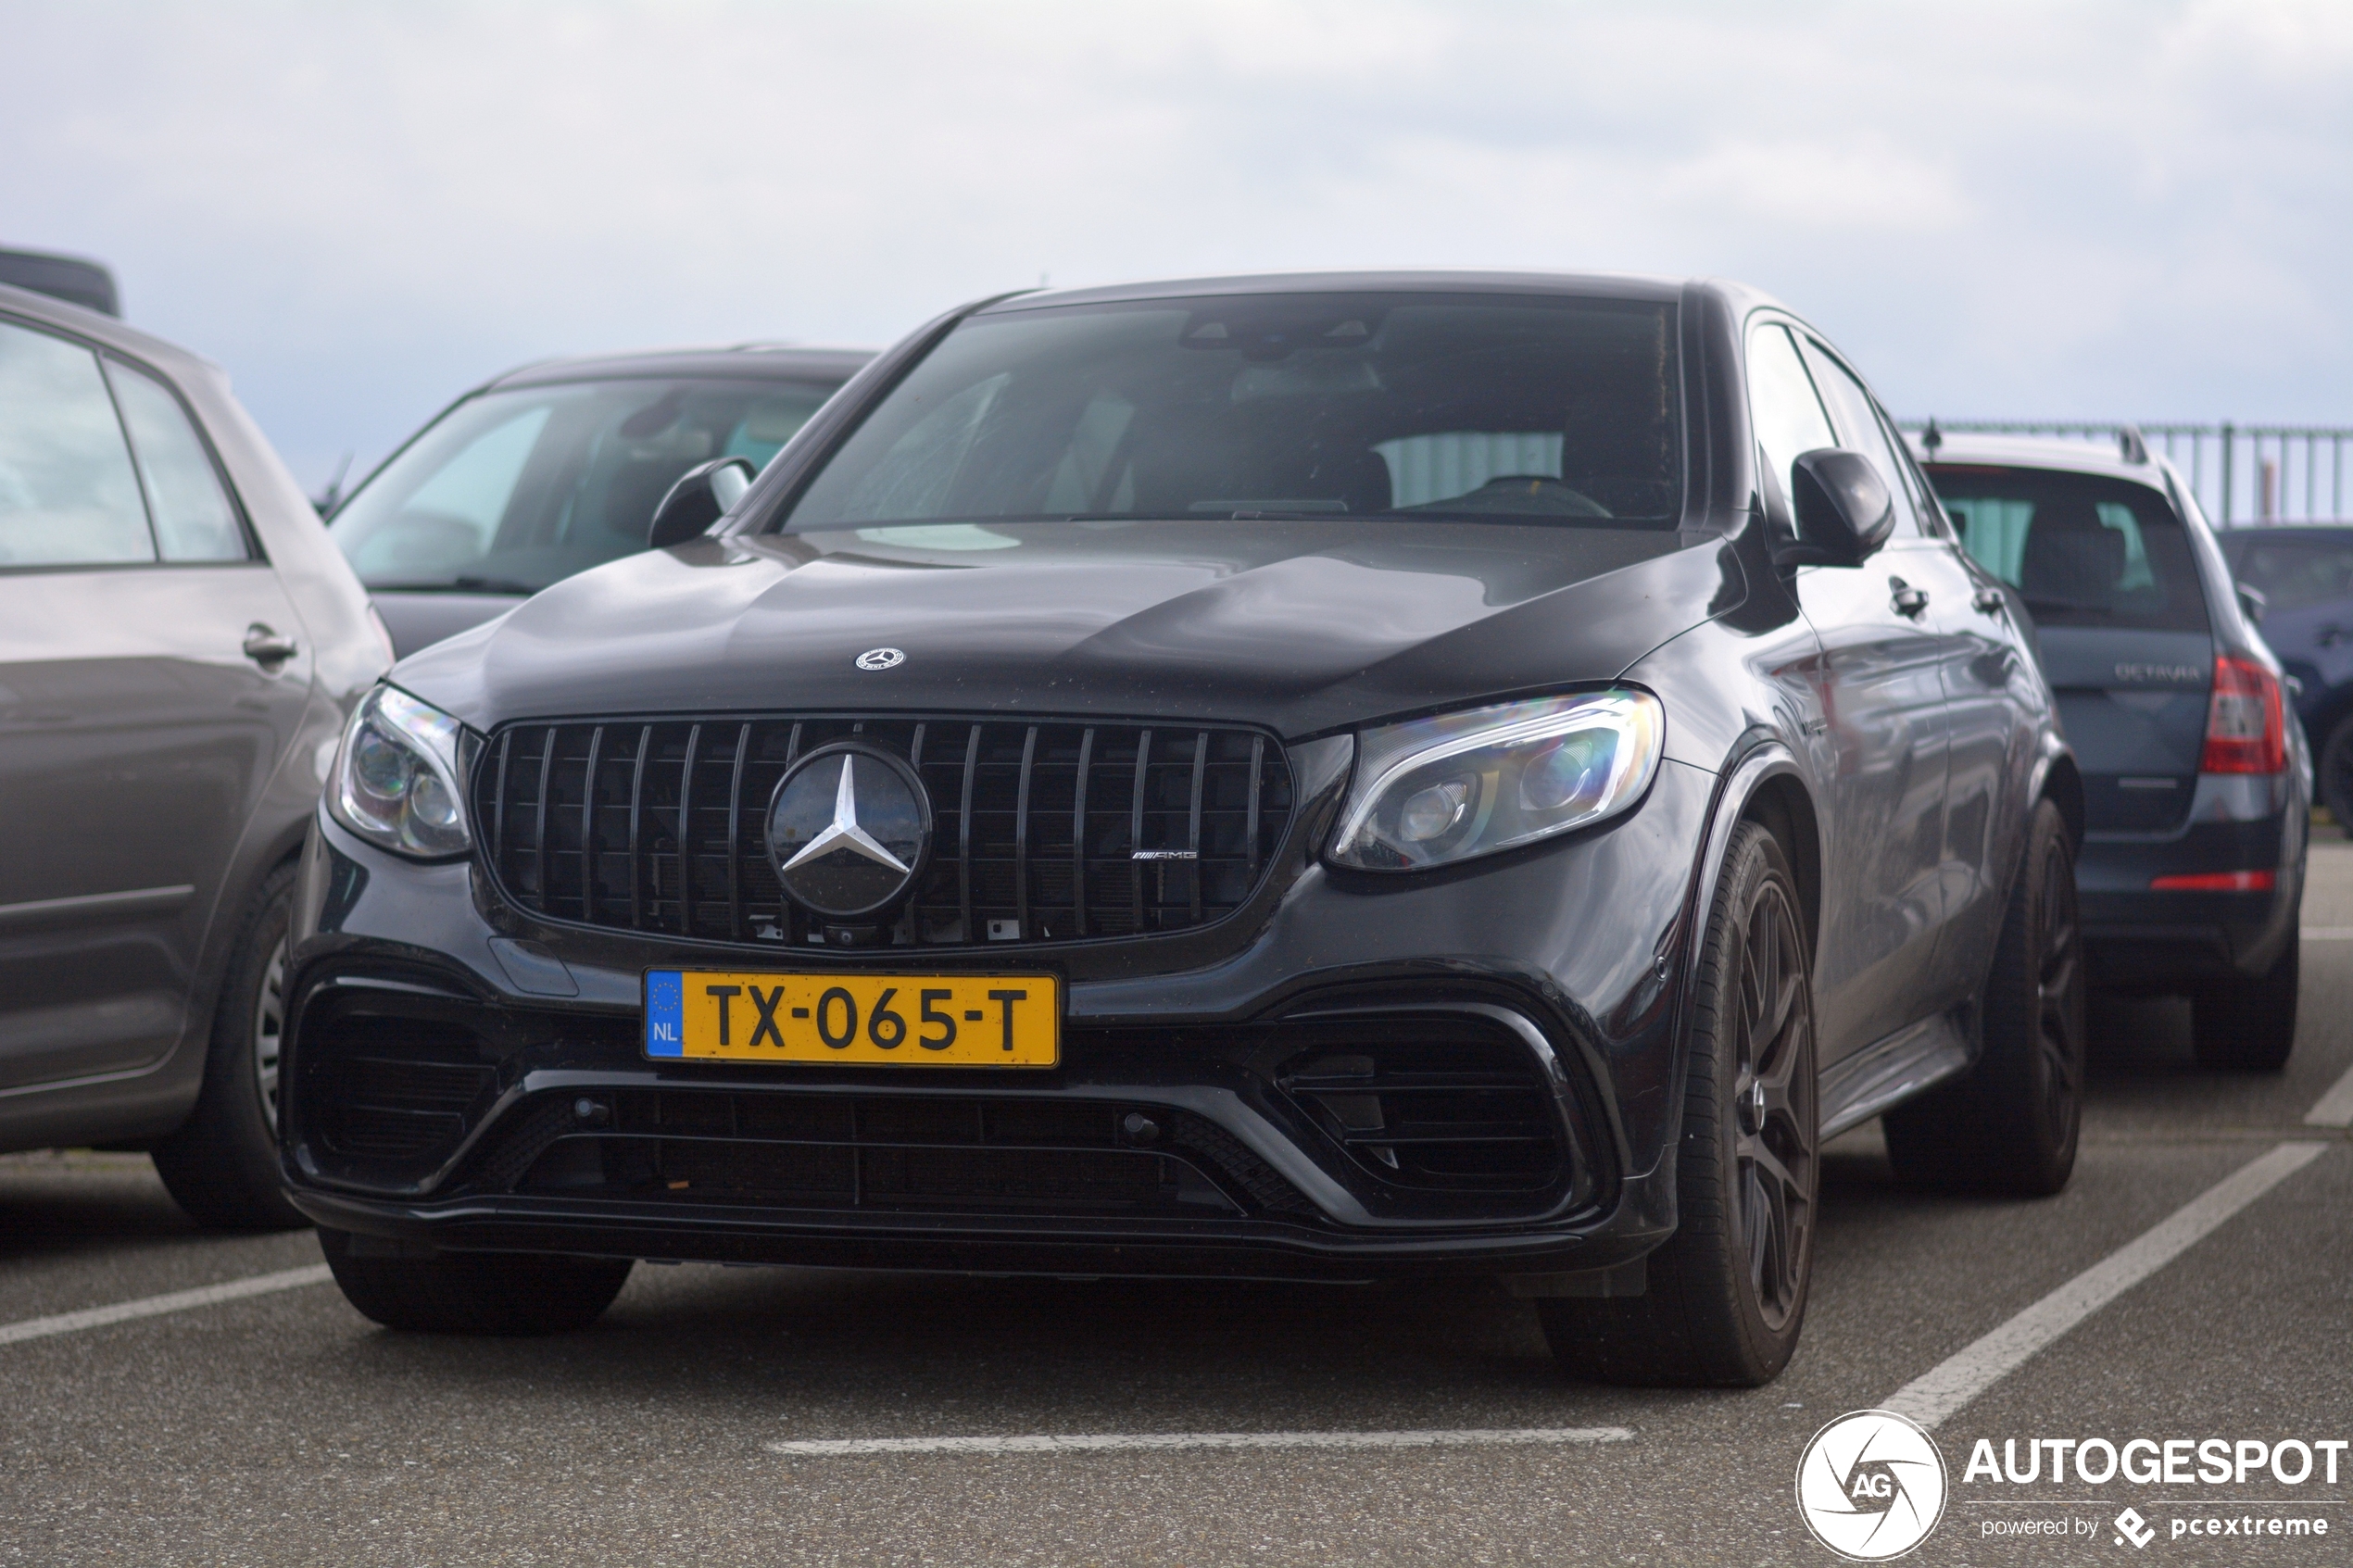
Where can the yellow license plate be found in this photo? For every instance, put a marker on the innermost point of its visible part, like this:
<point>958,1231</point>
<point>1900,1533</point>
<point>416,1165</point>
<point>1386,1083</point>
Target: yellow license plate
<point>868,1020</point>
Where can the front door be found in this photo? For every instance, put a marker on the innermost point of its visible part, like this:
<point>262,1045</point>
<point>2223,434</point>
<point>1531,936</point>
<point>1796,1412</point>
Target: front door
<point>137,729</point>
<point>1884,747</point>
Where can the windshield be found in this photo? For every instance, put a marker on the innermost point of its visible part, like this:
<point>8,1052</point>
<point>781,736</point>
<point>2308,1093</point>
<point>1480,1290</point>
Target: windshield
<point>2296,571</point>
<point>2080,550</point>
<point>511,491</point>
<point>1521,409</point>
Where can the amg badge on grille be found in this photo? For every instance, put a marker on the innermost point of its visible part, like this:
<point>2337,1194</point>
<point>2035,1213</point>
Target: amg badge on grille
<point>848,827</point>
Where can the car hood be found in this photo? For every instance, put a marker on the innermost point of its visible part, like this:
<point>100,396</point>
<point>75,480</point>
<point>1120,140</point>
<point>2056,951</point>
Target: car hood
<point>1304,626</point>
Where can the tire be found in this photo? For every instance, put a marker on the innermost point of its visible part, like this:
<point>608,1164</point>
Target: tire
<point>221,1165</point>
<point>2011,1124</point>
<point>1726,1295</point>
<point>2248,1025</point>
<point>486,1293</point>
<point>2332,771</point>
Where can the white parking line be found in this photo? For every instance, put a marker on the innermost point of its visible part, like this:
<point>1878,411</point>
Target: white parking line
<point>155,1305</point>
<point>1944,1390</point>
<point>1467,1438</point>
<point>2334,1109</point>
<point>2328,933</point>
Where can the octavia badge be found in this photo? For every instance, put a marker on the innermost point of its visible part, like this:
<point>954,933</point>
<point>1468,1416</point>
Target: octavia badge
<point>849,829</point>
<point>880,658</point>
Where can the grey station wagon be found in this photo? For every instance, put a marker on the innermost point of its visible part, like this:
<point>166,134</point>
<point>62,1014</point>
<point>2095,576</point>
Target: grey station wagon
<point>178,645</point>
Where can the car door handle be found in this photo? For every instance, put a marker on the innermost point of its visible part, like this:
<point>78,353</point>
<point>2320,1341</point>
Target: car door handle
<point>1907,599</point>
<point>1989,601</point>
<point>265,647</point>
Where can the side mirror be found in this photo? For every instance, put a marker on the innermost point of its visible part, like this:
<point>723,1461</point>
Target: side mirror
<point>701,497</point>
<point>2253,602</point>
<point>1843,510</point>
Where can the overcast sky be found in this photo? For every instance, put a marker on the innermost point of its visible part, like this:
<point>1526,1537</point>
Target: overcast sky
<point>2132,208</point>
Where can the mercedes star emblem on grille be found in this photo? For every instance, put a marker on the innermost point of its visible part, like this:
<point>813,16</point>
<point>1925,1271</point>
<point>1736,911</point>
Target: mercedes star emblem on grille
<point>880,658</point>
<point>848,828</point>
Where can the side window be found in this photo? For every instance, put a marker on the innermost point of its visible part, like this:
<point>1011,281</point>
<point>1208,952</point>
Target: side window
<point>1859,430</point>
<point>194,519</point>
<point>1788,416</point>
<point>67,493</point>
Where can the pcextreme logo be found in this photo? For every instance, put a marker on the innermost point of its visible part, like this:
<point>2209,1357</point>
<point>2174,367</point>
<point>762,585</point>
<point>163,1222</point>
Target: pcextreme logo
<point>1870,1486</point>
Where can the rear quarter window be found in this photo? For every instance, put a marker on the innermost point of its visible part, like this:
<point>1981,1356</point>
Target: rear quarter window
<point>2081,550</point>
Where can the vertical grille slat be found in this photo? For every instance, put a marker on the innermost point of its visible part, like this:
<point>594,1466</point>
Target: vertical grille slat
<point>636,814</point>
<point>498,798</point>
<point>1136,832</point>
<point>1203,807</point>
<point>735,824</point>
<point>1079,834</point>
<point>588,828</point>
<point>964,839</point>
<point>686,833</point>
<point>1021,831</point>
<point>546,780</point>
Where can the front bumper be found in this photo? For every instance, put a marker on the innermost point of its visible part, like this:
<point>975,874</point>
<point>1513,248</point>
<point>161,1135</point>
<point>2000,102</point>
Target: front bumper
<point>1525,994</point>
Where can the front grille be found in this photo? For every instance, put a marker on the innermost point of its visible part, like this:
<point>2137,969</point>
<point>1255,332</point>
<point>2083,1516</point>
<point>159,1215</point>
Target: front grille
<point>884,1152</point>
<point>660,826</point>
<point>1459,1116</point>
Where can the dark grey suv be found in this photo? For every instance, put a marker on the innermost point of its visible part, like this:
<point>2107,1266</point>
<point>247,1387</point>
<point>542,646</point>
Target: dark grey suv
<point>179,643</point>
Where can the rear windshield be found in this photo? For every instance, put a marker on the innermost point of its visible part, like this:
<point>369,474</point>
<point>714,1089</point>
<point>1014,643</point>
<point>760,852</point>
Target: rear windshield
<point>2080,550</point>
<point>1521,409</point>
<point>507,492</point>
<point>2294,571</point>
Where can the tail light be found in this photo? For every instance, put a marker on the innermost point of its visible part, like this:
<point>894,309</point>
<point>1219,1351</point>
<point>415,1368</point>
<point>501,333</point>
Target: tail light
<point>2245,719</point>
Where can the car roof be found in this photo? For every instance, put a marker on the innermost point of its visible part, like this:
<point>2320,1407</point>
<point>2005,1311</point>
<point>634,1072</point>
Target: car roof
<point>2104,458</point>
<point>743,361</point>
<point>106,329</point>
<point>1608,285</point>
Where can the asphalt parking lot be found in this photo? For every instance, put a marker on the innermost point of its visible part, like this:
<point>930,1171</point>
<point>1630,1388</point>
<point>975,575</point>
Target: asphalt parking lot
<point>282,1427</point>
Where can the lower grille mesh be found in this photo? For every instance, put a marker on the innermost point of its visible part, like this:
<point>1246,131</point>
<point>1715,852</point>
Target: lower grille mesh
<point>871,1151</point>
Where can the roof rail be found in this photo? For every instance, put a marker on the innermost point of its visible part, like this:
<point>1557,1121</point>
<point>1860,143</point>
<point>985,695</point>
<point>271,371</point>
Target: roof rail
<point>2129,441</point>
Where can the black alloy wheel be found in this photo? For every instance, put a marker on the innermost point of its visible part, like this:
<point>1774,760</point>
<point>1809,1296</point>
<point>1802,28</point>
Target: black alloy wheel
<point>1725,1297</point>
<point>221,1165</point>
<point>1774,1107</point>
<point>2011,1123</point>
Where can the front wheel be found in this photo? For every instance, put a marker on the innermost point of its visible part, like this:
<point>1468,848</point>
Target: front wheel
<point>2011,1124</point>
<point>1725,1295</point>
<point>222,1166</point>
<point>491,1293</point>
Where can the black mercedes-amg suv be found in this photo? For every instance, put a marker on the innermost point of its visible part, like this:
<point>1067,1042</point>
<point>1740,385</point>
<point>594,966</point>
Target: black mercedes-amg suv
<point>1311,777</point>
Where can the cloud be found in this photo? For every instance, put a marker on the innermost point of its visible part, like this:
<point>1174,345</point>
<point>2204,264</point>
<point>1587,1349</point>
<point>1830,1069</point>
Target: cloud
<point>2107,207</point>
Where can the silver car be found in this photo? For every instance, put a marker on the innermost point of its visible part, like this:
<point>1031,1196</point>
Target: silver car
<point>179,643</point>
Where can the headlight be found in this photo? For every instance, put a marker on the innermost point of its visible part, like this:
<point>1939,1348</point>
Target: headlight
<point>396,779</point>
<point>1435,790</point>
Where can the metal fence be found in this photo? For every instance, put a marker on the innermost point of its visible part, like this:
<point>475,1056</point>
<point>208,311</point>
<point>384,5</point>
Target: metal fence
<point>2243,474</point>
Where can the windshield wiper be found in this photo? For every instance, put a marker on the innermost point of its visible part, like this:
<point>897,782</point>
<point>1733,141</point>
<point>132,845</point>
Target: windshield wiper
<point>2040,603</point>
<point>463,585</point>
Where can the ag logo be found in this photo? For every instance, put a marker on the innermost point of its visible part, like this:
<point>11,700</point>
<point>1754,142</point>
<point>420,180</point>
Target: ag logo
<point>1870,1486</point>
